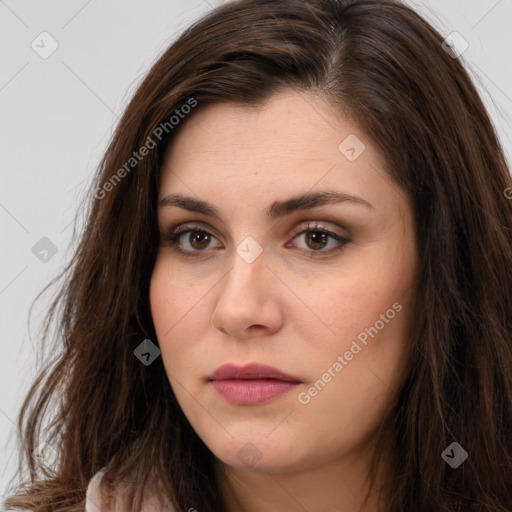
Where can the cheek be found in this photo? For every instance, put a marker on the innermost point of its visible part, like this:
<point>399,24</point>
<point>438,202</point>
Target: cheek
<point>171,297</point>
<point>356,303</point>
<point>378,303</point>
<point>356,376</point>
<point>366,349</point>
<point>167,308</point>
<point>178,309</point>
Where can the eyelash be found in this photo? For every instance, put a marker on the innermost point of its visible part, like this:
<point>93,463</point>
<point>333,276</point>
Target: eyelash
<point>173,235</point>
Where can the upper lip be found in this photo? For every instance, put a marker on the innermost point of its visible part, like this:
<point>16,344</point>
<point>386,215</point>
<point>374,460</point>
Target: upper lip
<point>250,371</point>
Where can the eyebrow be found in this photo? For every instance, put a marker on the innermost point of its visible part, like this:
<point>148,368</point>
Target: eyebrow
<point>277,209</point>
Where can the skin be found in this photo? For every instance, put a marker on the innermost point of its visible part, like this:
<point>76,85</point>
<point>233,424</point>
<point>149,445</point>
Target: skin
<point>287,309</point>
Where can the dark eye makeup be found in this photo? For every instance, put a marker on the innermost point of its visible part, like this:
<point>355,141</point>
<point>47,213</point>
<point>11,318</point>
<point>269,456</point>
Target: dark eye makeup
<point>317,237</point>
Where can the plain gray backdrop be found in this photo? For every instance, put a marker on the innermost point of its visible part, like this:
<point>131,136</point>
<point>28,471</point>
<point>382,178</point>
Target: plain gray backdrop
<point>58,112</point>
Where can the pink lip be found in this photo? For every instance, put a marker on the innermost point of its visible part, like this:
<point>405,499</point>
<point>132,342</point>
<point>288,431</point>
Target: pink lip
<point>252,384</point>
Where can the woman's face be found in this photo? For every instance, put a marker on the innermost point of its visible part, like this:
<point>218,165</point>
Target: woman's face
<point>261,282</point>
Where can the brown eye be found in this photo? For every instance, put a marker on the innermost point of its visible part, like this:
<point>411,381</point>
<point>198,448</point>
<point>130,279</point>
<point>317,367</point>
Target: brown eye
<point>199,239</point>
<point>190,240</point>
<point>319,241</point>
<point>316,239</point>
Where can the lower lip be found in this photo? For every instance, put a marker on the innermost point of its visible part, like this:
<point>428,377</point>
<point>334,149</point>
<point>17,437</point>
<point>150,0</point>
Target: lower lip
<point>251,392</point>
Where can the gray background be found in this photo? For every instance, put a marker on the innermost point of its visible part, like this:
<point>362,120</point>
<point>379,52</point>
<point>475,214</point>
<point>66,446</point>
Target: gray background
<point>57,115</point>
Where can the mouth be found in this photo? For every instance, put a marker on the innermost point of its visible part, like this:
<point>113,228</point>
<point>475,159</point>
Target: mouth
<point>252,384</point>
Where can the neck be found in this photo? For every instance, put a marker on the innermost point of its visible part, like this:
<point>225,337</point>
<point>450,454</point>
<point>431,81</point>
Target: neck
<point>339,486</point>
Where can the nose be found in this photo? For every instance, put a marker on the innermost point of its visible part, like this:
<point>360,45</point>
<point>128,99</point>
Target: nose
<point>248,303</point>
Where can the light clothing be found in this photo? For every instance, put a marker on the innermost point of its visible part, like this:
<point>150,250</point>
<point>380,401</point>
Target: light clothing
<point>119,503</point>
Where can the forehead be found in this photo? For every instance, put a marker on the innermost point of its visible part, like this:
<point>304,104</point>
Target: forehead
<point>293,143</point>
<point>289,126</point>
<point>283,121</point>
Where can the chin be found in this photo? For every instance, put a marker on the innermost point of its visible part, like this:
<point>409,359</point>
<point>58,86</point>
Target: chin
<point>255,453</point>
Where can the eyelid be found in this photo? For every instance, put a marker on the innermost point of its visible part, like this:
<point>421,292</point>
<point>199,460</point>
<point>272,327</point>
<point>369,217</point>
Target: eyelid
<point>311,225</point>
<point>175,231</point>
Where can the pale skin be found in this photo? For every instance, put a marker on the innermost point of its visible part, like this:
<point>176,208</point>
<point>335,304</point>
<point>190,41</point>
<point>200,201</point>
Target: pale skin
<point>288,308</point>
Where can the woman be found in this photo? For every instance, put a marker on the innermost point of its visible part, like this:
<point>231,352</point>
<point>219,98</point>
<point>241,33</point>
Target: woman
<point>293,291</point>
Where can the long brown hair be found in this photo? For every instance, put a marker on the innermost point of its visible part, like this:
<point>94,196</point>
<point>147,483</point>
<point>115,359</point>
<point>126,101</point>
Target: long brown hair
<point>382,66</point>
